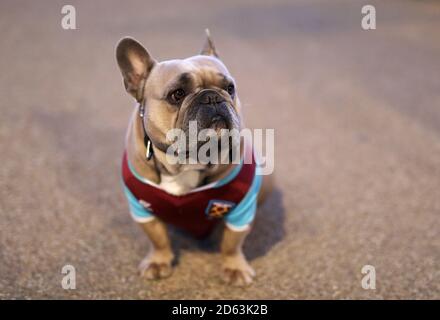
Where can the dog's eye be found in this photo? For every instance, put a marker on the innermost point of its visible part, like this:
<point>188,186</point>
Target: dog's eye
<point>177,95</point>
<point>231,90</point>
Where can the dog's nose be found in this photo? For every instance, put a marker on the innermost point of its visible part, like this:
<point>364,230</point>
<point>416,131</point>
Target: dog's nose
<point>210,97</point>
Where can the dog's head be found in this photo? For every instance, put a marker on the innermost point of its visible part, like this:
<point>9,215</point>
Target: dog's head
<point>176,92</point>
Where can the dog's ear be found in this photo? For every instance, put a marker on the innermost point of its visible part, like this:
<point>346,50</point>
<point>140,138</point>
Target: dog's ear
<point>209,48</point>
<point>136,64</point>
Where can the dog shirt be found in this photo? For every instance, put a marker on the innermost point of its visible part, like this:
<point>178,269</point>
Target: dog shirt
<point>232,199</point>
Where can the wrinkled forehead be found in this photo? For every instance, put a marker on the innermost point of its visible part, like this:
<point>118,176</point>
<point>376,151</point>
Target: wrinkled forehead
<point>197,70</point>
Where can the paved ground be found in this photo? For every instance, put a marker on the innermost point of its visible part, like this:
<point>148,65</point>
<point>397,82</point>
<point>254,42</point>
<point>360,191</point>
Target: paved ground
<point>357,120</point>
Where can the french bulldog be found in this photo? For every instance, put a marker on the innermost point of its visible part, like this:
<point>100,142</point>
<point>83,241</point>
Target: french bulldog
<point>169,95</point>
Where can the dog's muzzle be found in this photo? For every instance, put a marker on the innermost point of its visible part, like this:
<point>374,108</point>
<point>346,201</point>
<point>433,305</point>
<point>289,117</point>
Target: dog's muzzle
<point>210,110</point>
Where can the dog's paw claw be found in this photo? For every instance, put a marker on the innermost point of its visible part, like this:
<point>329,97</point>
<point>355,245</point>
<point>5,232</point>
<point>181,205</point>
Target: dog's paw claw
<point>237,278</point>
<point>237,272</point>
<point>156,271</point>
<point>153,270</point>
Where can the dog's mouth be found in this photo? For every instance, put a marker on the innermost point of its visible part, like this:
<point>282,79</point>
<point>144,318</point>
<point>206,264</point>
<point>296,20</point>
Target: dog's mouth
<point>218,123</point>
<point>210,110</point>
<point>210,117</point>
<point>209,120</point>
<point>213,140</point>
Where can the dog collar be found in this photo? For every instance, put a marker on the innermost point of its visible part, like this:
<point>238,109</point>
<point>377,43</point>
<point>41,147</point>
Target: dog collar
<point>147,141</point>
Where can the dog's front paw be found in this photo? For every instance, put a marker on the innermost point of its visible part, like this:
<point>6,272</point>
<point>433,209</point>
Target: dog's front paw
<point>237,271</point>
<point>156,265</point>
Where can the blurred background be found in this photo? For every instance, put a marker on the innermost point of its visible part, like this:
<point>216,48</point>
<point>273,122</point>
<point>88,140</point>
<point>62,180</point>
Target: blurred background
<point>357,125</point>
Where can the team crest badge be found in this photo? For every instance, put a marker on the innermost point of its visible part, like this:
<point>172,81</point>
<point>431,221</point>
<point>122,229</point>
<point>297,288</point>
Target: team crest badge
<point>219,208</point>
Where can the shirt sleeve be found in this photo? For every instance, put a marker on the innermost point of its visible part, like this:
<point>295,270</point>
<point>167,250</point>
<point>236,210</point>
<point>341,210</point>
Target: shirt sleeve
<point>244,213</point>
<point>138,212</point>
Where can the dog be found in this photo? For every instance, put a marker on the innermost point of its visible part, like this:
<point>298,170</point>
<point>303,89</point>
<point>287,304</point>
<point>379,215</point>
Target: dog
<point>193,196</point>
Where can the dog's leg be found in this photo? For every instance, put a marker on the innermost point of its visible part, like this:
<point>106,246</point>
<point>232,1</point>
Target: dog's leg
<point>157,263</point>
<point>236,269</point>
